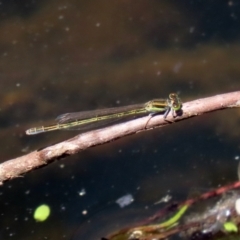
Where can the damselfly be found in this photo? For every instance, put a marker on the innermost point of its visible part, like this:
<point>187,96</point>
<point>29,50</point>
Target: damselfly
<point>103,117</point>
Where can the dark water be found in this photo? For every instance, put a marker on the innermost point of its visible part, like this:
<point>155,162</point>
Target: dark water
<point>63,56</point>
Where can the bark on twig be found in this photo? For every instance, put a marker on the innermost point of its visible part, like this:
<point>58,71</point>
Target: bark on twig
<point>18,166</point>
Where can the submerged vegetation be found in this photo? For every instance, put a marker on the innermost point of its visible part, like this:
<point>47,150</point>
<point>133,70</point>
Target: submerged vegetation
<point>220,217</point>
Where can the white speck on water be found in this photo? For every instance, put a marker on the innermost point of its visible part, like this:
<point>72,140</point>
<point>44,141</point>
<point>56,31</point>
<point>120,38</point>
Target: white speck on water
<point>61,165</point>
<point>125,200</point>
<point>236,158</point>
<point>164,199</point>
<point>84,212</point>
<point>27,192</point>
<point>82,192</point>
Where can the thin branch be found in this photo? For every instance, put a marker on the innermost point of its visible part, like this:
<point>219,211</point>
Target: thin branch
<point>16,167</point>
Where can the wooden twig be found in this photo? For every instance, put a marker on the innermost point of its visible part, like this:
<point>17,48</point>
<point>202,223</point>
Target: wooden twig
<point>16,167</point>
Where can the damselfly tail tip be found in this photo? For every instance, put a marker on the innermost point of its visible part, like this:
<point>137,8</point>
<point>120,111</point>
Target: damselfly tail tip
<point>33,131</point>
<point>29,132</point>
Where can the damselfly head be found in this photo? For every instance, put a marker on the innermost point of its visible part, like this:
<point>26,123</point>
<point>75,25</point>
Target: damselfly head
<point>175,102</point>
